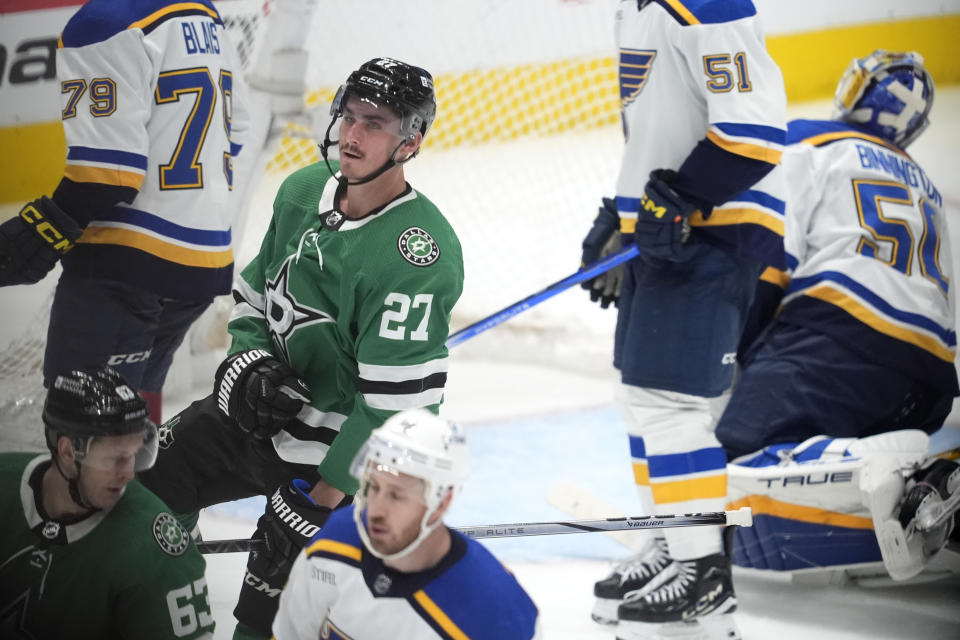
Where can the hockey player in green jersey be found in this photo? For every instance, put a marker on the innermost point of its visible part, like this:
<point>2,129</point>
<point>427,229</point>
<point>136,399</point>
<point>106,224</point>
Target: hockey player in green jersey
<point>85,551</point>
<point>340,321</point>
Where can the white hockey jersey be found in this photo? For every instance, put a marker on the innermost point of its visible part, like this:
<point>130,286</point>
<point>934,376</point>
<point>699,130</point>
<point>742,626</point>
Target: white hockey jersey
<point>337,590</point>
<point>699,93</point>
<point>867,239</point>
<point>153,114</point>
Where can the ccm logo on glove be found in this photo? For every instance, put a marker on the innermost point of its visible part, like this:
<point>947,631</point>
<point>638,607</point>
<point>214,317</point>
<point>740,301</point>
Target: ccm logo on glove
<point>32,216</point>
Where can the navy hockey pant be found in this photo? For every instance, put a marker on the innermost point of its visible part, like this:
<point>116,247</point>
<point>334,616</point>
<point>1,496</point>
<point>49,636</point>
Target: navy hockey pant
<point>96,322</point>
<point>797,383</point>
<point>679,322</point>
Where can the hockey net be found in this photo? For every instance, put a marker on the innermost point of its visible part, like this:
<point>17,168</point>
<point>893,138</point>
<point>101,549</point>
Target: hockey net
<point>526,141</point>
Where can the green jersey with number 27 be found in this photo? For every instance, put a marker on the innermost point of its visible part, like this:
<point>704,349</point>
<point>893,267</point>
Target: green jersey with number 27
<point>359,308</point>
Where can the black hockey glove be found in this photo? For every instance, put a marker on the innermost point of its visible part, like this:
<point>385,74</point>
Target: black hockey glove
<point>602,240</point>
<point>292,518</point>
<point>663,224</point>
<point>260,392</point>
<point>33,242</point>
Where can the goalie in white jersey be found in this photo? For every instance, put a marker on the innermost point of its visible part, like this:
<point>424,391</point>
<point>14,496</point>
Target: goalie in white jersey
<point>864,340</point>
<point>153,113</point>
<point>860,356</point>
<point>699,191</point>
<point>388,567</point>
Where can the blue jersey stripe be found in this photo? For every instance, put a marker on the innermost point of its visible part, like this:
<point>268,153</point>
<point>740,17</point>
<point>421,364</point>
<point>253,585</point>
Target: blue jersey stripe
<point>762,198</point>
<point>205,237</point>
<point>948,336</point>
<point>108,156</point>
<point>758,131</point>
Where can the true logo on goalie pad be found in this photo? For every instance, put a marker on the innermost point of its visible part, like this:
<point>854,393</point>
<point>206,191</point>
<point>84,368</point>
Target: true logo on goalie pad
<point>418,247</point>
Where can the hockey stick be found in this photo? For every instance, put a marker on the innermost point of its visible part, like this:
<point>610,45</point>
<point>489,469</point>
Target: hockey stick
<point>742,517</point>
<point>582,504</point>
<point>588,272</point>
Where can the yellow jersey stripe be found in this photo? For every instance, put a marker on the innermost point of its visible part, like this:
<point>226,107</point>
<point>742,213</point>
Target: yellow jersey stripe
<point>775,276</point>
<point>739,215</point>
<point>866,316</point>
<point>173,8</point>
<point>824,138</point>
<point>765,505</point>
<point>683,11</point>
<point>628,225</point>
<point>641,473</point>
<point>693,488</point>
<point>339,548</point>
<point>115,177</point>
<point>745,149</point>
<point>157,247</point>
<point>439,616</point>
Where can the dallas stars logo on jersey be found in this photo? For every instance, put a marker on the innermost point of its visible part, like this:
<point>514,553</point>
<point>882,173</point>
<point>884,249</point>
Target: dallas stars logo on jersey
<point>284,313</point>
<point>418,247</point>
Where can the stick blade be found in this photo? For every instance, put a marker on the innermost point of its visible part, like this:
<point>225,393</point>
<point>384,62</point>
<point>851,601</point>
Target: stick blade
<point>583,504</point>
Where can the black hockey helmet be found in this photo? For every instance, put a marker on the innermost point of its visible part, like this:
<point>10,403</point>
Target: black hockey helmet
<point>406,89</point>
<point>84,405</point>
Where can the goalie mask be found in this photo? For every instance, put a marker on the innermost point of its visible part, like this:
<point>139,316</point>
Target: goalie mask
<point>85,407</point>
<point>419,444</point>
<point>887,93</point>
<point>405,89</point>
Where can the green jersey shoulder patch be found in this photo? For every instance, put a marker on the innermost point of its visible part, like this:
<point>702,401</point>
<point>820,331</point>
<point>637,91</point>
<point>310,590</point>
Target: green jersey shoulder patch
<point>418,247</point>
<point>170,534</point>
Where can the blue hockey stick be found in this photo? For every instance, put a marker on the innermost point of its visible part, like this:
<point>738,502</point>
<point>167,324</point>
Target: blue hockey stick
<point>588,272</point>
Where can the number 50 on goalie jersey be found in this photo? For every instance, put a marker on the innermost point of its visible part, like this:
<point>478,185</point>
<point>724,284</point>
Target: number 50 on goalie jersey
<point>867,239</point>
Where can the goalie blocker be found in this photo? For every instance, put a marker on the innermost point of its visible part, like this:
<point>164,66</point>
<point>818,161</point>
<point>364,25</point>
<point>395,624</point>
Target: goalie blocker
<point>843,503</point>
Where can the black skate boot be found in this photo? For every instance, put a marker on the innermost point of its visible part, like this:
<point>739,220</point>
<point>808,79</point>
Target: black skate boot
<point>694,602</point>
<point>630,579</point>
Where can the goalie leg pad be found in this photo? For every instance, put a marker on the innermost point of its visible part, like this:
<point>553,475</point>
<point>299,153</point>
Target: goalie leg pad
<point>814,502</point>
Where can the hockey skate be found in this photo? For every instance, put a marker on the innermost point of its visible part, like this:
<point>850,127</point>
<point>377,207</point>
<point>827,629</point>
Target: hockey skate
<point>694,602</point>
<point>630,579</point>
<point>931,506</point>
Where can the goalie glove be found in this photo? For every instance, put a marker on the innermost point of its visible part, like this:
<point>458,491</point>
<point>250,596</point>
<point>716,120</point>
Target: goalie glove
<point>33,242</point>
<point>292,518</point>
<point>663,224</point>
<point>261,393</point>
<point>602,240</point>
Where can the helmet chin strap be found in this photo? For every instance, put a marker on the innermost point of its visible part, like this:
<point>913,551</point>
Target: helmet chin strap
<point>425,530</point>
<point>73,486</point>
<point>389,164</point>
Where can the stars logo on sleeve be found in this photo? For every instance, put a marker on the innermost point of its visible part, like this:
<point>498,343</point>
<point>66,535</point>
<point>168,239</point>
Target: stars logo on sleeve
<point>418,247</point>
<point>284,313</point>
<point>170,534</point>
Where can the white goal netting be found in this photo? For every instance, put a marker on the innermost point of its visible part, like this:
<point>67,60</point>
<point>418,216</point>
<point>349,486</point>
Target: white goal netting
<point>526,141</point>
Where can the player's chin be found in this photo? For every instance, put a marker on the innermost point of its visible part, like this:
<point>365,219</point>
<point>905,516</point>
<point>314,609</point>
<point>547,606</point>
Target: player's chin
<point>384,543</point>
<point>109,497</point>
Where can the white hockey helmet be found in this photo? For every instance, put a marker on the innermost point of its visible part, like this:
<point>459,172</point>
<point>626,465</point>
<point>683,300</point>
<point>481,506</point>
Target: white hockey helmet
<point>416,443</point>
<point>888,93</point>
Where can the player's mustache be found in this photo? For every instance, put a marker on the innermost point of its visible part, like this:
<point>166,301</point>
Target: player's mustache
<point>349,148</point>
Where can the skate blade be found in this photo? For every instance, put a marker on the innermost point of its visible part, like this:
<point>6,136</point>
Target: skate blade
<point>721,627</point>
<point>605,611</point>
